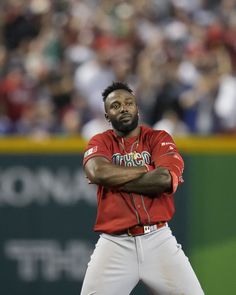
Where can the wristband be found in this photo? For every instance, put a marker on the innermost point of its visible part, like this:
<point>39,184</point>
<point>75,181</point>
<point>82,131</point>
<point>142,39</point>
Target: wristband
<point>175,181</point>
<point>147,168</point>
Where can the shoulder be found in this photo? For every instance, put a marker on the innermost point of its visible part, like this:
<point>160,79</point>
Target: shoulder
<point>103,136</point>
<point>99,144</point>
<point>151,134</point>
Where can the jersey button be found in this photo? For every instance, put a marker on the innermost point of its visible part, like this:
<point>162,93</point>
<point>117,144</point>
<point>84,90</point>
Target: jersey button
<point>139,206</point>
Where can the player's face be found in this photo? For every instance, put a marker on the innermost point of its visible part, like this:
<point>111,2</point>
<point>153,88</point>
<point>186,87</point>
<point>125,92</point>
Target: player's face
<point>121,110</point>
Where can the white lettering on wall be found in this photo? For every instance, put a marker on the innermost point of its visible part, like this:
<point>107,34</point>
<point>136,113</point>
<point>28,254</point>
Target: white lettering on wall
<point>46,259</point>
<point>20,186</point>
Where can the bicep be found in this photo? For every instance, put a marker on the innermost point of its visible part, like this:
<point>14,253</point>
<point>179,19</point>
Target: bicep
<point>93,165</point>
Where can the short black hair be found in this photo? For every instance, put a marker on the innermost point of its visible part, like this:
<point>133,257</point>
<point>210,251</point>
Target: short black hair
<point>115,86</point>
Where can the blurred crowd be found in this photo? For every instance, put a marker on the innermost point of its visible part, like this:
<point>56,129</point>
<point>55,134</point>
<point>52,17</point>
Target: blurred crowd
<point>56,57</point>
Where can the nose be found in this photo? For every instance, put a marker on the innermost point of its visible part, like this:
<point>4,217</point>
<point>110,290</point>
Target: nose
<point>124,108</point>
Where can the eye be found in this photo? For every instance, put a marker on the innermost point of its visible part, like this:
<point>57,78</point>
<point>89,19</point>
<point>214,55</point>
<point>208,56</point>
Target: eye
<point>115,106</point>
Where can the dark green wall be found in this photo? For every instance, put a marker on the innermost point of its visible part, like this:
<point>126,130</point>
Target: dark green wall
<point>47,212</point>
<point>212,232</point>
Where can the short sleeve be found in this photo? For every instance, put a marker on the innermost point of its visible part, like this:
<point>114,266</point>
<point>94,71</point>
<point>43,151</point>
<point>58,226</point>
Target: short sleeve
<point>97,147</point>
<point>165,154</point>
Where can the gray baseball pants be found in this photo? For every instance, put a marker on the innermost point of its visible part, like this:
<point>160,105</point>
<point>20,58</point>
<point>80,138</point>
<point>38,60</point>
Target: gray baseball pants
<point>118,263</point>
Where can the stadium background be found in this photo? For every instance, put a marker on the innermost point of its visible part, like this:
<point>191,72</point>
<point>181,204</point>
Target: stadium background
<point>55,58</point>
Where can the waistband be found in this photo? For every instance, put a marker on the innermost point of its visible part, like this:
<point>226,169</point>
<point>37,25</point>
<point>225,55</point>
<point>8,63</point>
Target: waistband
<point>139,230</point>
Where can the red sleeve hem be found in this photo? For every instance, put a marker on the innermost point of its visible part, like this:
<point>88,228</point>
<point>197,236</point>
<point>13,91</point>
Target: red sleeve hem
<point>175,182</point>
<point>96,155</point>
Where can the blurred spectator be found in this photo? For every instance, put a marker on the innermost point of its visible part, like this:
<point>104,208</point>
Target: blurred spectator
<point>225,106</point>
<point>37,120</point>
<point>94,75</point>
<point>19,24</point>
<point>16,92</point>
<point>94,126</point>
<point>171,123</point>
<point>71,122</point>
<point>56,57</point>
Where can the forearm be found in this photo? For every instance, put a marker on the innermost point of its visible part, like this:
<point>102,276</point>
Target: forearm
<point>111,175</point>
<point>153,182</point>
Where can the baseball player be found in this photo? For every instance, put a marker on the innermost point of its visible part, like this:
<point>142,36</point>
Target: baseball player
<point>137,171</point>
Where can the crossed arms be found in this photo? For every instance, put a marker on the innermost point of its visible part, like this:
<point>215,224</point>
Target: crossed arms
<point>129,179</point>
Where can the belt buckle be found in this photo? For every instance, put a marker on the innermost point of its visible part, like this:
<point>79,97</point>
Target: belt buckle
<point>147,229</point>
<point>129,234</point>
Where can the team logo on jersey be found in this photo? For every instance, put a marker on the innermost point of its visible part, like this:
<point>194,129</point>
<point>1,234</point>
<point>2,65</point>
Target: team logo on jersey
<point>90,151</point>
<point>128,160</point>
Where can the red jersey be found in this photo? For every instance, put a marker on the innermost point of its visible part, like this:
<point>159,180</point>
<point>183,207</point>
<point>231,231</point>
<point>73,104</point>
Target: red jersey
<point>118,210</point>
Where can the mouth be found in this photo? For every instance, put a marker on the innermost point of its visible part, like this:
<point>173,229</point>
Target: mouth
<point>125,117</point>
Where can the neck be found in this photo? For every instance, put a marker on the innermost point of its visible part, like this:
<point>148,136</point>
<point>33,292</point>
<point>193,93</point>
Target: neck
<point>132,133</point>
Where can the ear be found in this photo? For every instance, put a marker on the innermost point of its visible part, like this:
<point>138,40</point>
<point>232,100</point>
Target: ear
<point>107,118</point>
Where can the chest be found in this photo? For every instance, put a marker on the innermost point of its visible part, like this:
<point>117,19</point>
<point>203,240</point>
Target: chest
<point>131,153</point>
